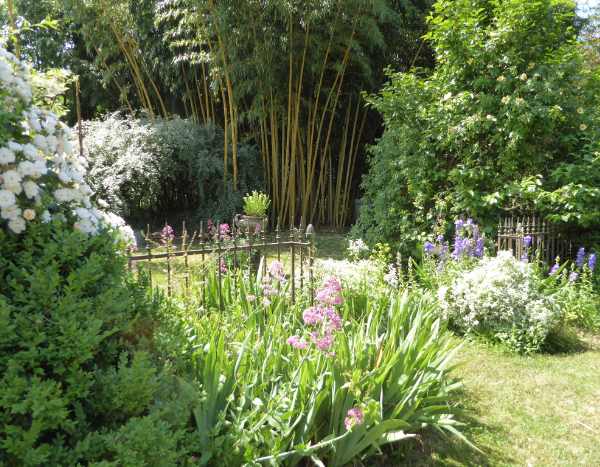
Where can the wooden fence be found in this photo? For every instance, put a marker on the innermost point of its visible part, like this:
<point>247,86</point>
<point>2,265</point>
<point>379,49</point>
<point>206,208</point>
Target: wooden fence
<point>225,248</point>
<point>546,239</point>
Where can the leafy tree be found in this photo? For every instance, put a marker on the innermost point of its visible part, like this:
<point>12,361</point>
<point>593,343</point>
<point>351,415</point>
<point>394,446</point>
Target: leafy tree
<point>505,122</point>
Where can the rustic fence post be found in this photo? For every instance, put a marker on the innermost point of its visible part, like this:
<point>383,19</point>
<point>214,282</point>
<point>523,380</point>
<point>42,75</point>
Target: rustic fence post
<point>149,249</point>
<point>293,254</point>
<point>310,233</point>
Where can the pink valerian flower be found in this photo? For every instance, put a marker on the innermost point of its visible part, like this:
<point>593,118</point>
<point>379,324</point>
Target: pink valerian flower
<point>266,301</point>
<point>322,342</point>
<point>312,315</point>
<point>276,271</point>
<point>268,289</point>
<point>251,298</point>
<point>167,234</point>
<point>354,417</point>
<point>334,320</point>
<point>224,230</point>
<point>223,266</point>
<point>297,342</point>
<point>330,293</point>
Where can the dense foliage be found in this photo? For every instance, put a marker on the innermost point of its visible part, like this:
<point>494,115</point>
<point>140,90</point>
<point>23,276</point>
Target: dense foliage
<point>498,126</point>
<point>149,169</point>
<point>76,390</point>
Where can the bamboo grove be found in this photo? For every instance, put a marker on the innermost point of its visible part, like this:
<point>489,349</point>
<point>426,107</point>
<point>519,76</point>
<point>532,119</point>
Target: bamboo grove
<point>287,75</point>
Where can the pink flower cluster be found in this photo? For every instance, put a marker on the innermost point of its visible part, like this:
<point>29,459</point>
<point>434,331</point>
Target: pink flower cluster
<point>276,271</point>
<point>354,417</point>
<point>322,317</point>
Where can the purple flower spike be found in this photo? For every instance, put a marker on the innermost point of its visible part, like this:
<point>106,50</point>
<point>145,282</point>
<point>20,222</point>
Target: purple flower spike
<point>527,241</point>
<point>458,225</point>
<point>580,257</point>
<point>554,269</point>
<point>592,261</point>
<point>429,247</point>
<point>479,247</point>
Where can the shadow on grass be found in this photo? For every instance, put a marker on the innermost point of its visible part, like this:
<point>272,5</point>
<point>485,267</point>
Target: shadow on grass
<point>432,448</point>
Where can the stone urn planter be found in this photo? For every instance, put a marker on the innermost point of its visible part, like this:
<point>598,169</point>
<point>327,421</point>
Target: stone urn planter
<point>251,224</point>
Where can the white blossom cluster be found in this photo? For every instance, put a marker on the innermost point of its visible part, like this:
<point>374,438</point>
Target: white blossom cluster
<point>501,296</point>
<point>40,176</point>
<point>357,248</point>
<point>354,275</point>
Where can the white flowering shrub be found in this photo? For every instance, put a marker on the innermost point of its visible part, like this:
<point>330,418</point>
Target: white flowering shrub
<point>39,174</point>
<point>502,299</point>
<point>41,178</point>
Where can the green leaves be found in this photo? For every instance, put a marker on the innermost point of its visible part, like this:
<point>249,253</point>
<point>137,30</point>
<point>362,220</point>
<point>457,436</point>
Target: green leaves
<point>509,100</point>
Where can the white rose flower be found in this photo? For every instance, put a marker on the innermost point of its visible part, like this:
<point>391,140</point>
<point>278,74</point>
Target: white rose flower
<point>6,156</point>
<point>46,217</point>
<point>10,212</point>
<point>30,151</point>
<point>11,179</point>
<point>17,225</point>
<point>14,146</point>
<point>40,142</point>
<point>29,214</point>
<point>31,189</point>
<point>7,198</point>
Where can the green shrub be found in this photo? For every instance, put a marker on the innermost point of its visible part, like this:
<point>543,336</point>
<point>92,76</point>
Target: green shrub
<point>70,323</point>
<point>148,169</point>
<point>508,119</point>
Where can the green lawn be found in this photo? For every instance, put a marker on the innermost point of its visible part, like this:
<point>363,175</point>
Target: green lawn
<point>532,411</point>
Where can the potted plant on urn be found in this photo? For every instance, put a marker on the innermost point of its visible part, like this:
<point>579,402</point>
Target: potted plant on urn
<point>254,218</point>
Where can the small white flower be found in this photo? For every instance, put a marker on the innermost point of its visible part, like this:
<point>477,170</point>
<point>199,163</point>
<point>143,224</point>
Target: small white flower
<point>7,198</point>
<point>46,217</point>
<point>500,78</point>
<point>17,225</point>
<point>29,214</point>
<point>14,146</point>
<point>11,177</point>
<point>506,99</point>
<point>40,142</point>
<point>580,111</point>
<point>31,189</point>
<point>583,127</point>
<point>491,118</point>
<point>523,77</point>
<point>10,212</point>
<point>6,156</point>
<point>30,151</point>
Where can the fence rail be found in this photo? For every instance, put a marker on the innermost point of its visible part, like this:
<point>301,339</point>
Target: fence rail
<point>225,249</point>
<point>547,240</point>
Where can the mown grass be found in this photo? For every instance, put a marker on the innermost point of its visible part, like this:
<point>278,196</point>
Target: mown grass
<point>539,410</point>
